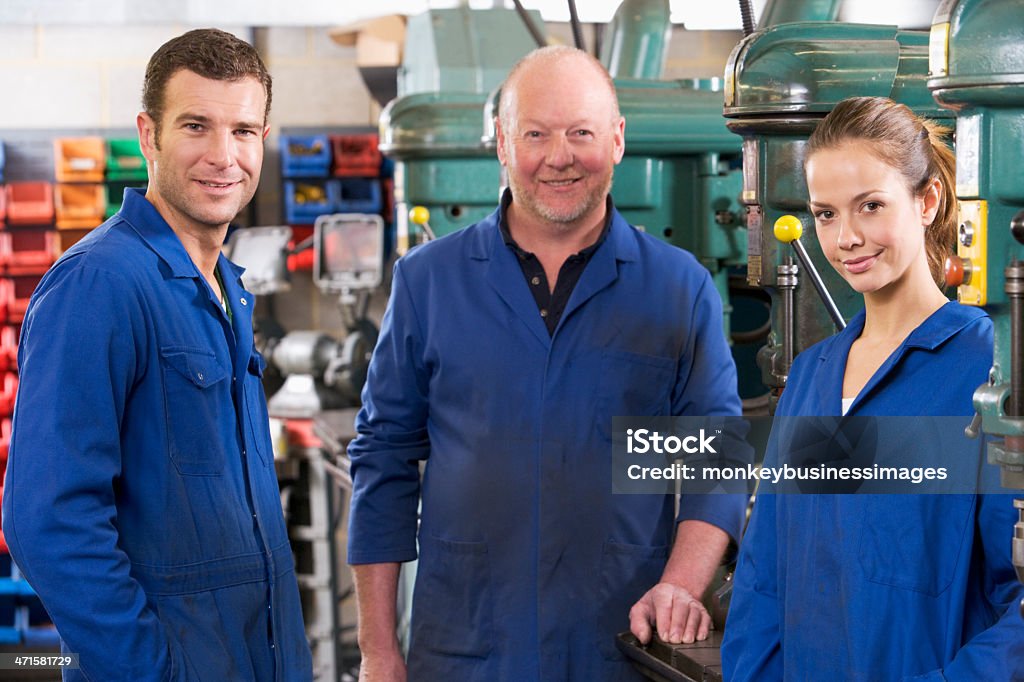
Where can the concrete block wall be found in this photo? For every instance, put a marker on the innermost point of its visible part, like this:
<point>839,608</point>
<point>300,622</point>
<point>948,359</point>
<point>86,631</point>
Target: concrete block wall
<point>90,76</point>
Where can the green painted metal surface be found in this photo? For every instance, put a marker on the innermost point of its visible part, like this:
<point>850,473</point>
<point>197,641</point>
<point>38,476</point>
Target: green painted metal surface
<point>637,39</point>
<point>433,130</point>
<point>808,67</point>
<point>978,72</point>
<point>779,83</point>
<point>462,49</point>
<point>789,11</point>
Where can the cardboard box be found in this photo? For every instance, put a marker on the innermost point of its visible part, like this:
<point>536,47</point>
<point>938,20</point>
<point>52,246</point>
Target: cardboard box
<point>378,41</point>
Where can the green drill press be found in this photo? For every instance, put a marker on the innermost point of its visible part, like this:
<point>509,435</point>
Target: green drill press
<point>977,70</point>
<point>779,83</point>
<point>452,59</point>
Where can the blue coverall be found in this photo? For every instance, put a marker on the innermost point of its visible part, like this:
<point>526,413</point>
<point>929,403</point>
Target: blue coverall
<point>882,587</point>
<point>141,499</point>
<point>528,565</point>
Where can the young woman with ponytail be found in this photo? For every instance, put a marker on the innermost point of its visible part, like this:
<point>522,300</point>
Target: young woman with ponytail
<point>882,587</point>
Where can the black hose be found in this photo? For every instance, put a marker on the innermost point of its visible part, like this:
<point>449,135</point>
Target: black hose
<point>530,26</point>
<point>747,12</point>
<point>577,30</point>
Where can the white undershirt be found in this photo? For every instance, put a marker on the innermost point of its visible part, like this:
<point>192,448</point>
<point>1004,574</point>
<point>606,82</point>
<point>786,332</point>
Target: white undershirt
<point>846,404</point>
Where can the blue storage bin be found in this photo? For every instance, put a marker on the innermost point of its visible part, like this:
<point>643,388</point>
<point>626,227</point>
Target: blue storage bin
<point>360,196</point>
<point>1,161</point>
<point>305,156</point>
<point>305,201</point>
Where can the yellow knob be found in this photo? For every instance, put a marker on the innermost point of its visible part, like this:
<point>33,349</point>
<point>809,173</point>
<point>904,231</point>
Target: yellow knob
<point>788,228</point>
<point>419,215</point>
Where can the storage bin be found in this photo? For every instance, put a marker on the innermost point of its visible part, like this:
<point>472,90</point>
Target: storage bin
<point>304,202</point>
<point>19,292</point>
<point>79,206</point>
<point>68,238</point>
<point>79,159</point>
<point>305,156</point>
<point>356,156</point>
<point>9,348</point>
<point>359,196</point>
<point>125,161</point>
<point>27,252</point>
<point>29,203</point>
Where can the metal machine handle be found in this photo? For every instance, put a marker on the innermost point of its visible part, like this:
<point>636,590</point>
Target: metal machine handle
<point>788,229</point>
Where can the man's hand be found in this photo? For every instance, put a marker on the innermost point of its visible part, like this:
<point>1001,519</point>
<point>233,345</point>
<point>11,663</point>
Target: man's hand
<point>680,617</point>
<point>382,668</point>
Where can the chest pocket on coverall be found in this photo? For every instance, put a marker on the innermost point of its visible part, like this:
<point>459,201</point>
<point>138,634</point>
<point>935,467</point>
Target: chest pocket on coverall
<point>197,394</point>
<point>916,541</point>
<point>633,385</point>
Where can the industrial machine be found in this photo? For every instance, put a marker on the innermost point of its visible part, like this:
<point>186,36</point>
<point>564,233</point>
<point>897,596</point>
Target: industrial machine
<point>452,59</point>
<point>780,82</point>
<point>320,371</point>
<point>977,71</point>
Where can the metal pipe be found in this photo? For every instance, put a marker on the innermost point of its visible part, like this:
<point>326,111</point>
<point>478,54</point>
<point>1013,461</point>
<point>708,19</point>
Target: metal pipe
<point>1014,274</point>
<point>635,44</point>
<point>577,29</point>
<point>775,12</point>
<point>819,286</point>
<point>786,282</point>
<point>538,37</point>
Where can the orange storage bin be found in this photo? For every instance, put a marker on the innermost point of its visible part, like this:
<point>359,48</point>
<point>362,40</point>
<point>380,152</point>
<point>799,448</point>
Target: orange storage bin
<point>68,238</point>
<point>356,156</point>
<point>79,206</point>
<point>3,207</point>
<point>28,252</point>
<point>79,159</point>
<point>29,203</point>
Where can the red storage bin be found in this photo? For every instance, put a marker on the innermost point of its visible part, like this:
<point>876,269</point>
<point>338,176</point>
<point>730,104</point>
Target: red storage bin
<point>29,203</point>
<point>6,293</point>
<point>3,207</point>
<point>356,156</point>
<point>8,390</point>
<point>301,262</point>
<point>18,293</point>
<point>5,446</point>
<point>3,542</point>
<point>9,349</point>
<point>28,252</point>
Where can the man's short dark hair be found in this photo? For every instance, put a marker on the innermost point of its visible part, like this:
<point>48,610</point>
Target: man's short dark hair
<point>207,52</point>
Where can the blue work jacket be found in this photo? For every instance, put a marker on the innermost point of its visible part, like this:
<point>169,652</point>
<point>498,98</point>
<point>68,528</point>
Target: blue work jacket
<point>528,564</point>
<point>141,500</point>
<point>882,587</point>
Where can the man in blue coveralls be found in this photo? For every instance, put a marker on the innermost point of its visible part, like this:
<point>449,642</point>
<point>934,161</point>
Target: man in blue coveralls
<point>504,353</point>
<point>141,499</point>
